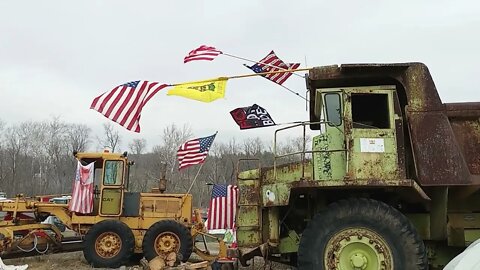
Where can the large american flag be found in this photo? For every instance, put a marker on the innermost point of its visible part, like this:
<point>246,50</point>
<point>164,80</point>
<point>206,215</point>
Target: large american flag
<point>203,52</point>
<point>82,195</point>
<point>124,103</point>
<point>272,63</point>
<point>194,151</point>
<point>223,207</point>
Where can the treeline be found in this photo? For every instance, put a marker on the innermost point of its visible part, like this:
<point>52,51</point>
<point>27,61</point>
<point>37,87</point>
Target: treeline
<point>36,158</point>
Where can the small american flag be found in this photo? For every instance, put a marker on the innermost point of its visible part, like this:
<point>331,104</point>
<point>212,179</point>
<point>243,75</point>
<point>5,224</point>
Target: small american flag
<point>223,207</point>
<point>203,52</point>
<point>82,195</point>
<point>194,151</point>
<point>124,103</point>
<point>272,63</point>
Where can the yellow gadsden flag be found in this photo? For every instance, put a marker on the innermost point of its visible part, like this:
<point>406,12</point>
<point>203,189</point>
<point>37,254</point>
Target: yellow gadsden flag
<point>206,91</point>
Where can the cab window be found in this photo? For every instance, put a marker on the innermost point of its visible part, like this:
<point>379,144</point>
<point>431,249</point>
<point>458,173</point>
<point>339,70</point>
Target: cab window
<point>370,111</point>
<point>333,108</point>
<point>113,172</point>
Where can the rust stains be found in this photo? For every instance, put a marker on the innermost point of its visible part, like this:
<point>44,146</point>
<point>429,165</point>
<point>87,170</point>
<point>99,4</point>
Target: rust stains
<point>467,134</point>
<point>444,143</point>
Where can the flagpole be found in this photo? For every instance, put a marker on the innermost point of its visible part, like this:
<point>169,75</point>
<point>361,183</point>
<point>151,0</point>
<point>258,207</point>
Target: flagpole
<point>297,94</point>
<point>245,76</point>
<point>174,163</point>
<point>256,62</point>
<point>293,92</point>
<point>269,72</point>
<point>193,182</point>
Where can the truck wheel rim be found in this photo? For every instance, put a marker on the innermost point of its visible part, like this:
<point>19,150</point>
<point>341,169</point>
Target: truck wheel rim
<point>108,245</point>
<point>357,249</point>
<point>166,243</point>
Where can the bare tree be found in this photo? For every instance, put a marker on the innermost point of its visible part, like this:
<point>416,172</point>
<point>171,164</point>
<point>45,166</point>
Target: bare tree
<point>253,147</point>
<point>3,164</point>
<point>138,146</point>
<point>15,145</point>
<point>78,137</point>
<point>166,152</point>
<point>112,138</point>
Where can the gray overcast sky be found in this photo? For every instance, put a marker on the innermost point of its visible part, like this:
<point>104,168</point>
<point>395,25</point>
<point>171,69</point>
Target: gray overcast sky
<point>56,56</point>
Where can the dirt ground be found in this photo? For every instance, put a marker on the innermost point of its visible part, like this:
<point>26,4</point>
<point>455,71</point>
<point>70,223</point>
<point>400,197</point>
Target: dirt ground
<point>76,261</point>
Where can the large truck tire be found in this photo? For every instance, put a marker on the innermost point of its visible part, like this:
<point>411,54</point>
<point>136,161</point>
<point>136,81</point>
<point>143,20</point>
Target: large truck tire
<point>109,243</point>
<point>361,234</point>
<point>167,236</point>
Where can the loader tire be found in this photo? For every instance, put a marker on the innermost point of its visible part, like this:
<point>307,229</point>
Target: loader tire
<point>167,236</point>
<point>361,234</point>
<point>109,243</point>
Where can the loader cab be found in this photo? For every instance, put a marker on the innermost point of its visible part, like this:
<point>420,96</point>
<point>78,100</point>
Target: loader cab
<point>358,138</point>
<point>111,178</point>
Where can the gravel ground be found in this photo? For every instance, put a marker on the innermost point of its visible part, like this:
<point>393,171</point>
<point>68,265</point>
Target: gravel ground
<point>76,261</point>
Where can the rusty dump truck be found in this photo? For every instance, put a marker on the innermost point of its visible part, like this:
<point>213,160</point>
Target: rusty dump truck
<point>391,181</point>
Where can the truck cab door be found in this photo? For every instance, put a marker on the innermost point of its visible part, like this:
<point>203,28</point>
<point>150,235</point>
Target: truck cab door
<point>112,191</point>
<point>371,132</point>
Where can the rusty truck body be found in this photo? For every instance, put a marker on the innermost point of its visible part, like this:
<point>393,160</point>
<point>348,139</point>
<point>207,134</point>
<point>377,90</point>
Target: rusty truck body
<point>391,180</point>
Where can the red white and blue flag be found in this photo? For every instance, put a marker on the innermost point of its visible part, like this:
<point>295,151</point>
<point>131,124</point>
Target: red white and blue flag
<point>270,63</point>
<point>194,151</point>
<point>82,195</point>
<point>223,207</point>
<point>124,103</point>
<point>203,52</point>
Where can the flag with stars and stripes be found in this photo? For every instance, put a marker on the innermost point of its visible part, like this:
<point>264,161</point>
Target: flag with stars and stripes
<point>223,207</point>
<point>82,194</point>
<point>203,52</point>
<point>270,63</point>
<point>124,103</point>
<point>194,151</point>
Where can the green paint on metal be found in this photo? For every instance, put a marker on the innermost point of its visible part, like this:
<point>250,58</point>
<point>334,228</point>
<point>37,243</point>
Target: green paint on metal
<point>275,195</point>
<point>248,219</point>
<point>471,235</point>
<point>273,226</point>
<point>357,249</point>
<point>330,160</point>
<point>373,146</point>
<point>287,173</point>
<point>290,243</point>
<point>251,174</point>
<point>421,222</point>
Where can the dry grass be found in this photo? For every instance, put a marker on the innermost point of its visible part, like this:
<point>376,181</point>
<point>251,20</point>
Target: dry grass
<point>76,261</point>
<point>67,261</point>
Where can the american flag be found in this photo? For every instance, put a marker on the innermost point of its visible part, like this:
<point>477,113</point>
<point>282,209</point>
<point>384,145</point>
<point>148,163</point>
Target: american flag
<point>82,195</point>
<point>124,103</point>
<point>203,52</point>
<point>194,151</point>
<point>223,207</point>
<point>272,63</point>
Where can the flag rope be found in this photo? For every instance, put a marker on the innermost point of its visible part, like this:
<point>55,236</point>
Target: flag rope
<point>257,62</point>
<point>252,75</point>
<point>244,76</point>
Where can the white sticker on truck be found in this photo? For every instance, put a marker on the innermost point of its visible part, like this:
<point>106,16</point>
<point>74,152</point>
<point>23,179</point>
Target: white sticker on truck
<point>372,145</point>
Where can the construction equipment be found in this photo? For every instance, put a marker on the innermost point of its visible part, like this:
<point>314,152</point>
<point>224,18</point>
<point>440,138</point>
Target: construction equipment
<point>391,182</point>
<point>122,224</point>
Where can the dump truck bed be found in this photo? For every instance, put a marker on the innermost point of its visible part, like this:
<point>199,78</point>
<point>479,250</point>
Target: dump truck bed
<point>445,137</point>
